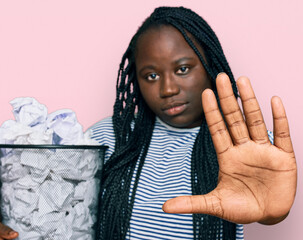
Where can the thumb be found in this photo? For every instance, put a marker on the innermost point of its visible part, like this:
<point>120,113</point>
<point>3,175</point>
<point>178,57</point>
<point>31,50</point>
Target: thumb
<point>7,233</point>
<point>203,204</point>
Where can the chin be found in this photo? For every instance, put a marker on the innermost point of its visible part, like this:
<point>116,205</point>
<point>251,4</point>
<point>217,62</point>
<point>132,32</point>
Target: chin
<point>183,124</point>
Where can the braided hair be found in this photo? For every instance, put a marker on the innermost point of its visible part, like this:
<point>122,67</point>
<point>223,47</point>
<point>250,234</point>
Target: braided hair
<point>133,124</point>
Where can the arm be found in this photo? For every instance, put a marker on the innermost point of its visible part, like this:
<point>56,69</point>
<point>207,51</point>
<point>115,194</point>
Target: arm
<point>257,180</point>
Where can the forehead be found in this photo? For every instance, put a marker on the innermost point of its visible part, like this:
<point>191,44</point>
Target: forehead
<point>163,39</point>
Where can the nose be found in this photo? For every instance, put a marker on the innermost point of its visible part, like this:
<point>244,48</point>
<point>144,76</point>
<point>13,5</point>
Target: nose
<point>168,86</point>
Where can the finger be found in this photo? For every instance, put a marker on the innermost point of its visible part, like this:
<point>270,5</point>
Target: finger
<point>253,115</point>
<point>202,204</point>
<point>217,128</point>
<point>231,110</point>
<point>7,233</point>
<point>281,129</point>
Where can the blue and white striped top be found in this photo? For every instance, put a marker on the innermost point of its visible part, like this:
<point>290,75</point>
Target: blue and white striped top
<point>166,174</point>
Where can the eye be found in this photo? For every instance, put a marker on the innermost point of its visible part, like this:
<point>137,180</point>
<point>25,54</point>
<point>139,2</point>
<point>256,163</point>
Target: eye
<point>183,70</point>
<point>152,77</point>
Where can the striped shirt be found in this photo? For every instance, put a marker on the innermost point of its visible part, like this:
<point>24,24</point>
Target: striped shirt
<point>166,174</point>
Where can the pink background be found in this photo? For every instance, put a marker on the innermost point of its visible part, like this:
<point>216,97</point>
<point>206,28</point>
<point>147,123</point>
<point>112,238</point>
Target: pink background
<point>66,55</point>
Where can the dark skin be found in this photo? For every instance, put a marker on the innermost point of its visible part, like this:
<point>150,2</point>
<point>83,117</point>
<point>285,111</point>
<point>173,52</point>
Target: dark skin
<point>257,180</point>
<point>171,77</point>
<point>7,233</point>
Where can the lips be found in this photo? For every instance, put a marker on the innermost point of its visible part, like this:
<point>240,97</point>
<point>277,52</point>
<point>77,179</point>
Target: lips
<point>174,108</point>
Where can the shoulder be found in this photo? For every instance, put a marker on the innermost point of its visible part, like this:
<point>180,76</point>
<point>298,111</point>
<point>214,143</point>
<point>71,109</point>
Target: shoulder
<point>104,126</point>
<point>103,133</point>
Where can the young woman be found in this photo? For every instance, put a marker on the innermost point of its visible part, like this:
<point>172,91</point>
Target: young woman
<point>164,143</point>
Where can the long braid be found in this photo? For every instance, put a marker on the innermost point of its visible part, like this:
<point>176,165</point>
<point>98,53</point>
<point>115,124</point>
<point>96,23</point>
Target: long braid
<point>131,116</point>
<point>133,125</point>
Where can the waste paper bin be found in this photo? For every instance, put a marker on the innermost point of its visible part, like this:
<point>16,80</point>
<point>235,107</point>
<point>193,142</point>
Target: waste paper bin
<point>51,192</point>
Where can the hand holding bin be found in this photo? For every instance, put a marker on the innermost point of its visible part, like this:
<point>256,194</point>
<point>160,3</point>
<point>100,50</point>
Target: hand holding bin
<point>51,191</point>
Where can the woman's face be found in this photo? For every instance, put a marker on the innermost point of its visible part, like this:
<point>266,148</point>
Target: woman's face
<point>171,77</point>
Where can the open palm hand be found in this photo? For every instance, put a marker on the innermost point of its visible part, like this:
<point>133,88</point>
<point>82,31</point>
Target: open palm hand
<point>257,180</point>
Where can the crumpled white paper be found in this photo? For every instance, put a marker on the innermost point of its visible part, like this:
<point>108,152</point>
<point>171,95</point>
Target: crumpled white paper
<point>29,111</point>
<point>48,193</point>
<point>66,128</point>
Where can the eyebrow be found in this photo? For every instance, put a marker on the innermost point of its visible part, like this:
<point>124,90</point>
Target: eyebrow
<point>183,59</point>
<point>150,67</point>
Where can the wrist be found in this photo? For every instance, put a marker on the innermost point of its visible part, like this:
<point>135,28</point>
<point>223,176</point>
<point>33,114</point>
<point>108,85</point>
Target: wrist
<point>272,221</point>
